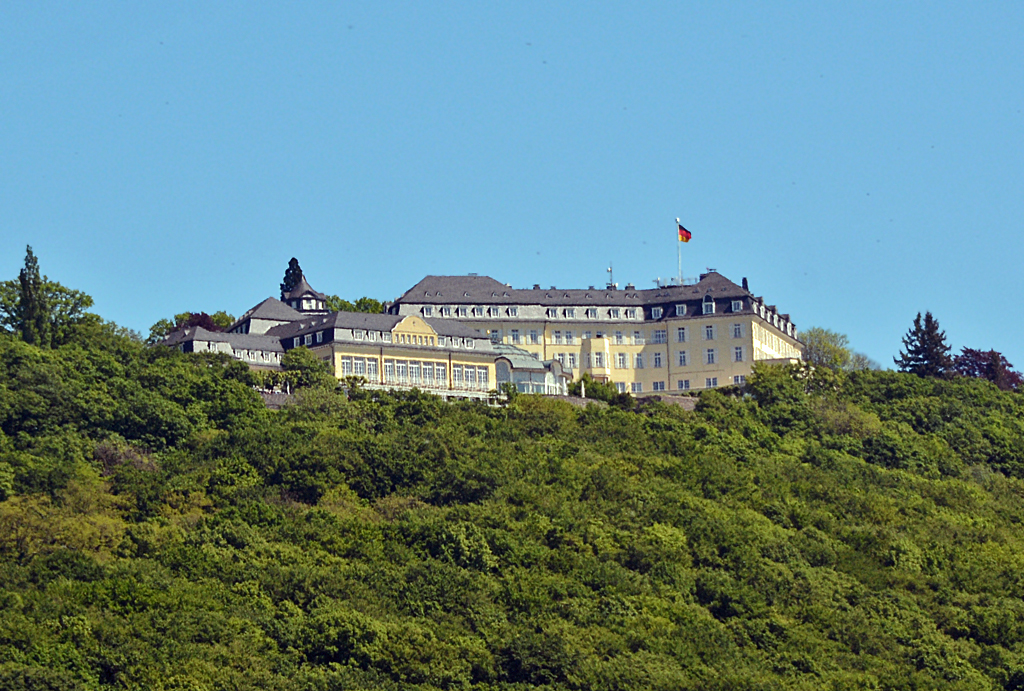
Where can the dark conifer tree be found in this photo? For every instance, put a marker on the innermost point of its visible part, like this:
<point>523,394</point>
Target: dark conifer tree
<point>291,277</point>
<point>32,307</point>
<point>927,354</point>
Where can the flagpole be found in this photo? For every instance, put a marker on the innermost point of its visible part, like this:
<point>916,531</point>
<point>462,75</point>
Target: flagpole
<point>679,252</point>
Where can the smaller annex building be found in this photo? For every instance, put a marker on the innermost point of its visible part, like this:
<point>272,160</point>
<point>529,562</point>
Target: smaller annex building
<point>386,351</point>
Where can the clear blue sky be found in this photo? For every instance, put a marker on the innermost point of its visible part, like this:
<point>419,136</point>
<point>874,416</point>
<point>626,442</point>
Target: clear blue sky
<point>858,162</point>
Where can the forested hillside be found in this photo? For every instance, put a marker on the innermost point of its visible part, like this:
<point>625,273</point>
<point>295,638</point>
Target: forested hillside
<point>160,529</point>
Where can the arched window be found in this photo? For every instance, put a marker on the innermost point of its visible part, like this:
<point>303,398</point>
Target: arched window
<point>709,304</point>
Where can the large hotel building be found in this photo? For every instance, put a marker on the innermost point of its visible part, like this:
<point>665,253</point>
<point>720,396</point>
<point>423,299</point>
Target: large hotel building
<point>667,339</point>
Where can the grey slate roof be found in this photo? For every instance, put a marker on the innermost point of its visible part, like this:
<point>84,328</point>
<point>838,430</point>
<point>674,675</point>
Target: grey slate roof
<point>270,309</point>
<point>367,321</point>
<point>303,288</point>
<point>483,290</point>
<point>520,359</point>
<point>237,341</point>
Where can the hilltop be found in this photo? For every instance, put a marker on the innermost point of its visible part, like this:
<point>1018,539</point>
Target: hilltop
<point>160,529</point>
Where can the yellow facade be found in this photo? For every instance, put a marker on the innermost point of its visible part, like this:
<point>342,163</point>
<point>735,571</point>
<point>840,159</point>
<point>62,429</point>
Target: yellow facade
<point>612,356</point>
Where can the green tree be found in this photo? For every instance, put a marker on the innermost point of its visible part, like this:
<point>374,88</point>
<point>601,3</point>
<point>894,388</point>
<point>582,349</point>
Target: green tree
<point>927,354</point>
<point>363,304</point>
<point>32,307</point>
<point>218,321</point>
<point>825,348</point>
<point>292,276</point>
<point>304,369</point>
<point>40,311</point>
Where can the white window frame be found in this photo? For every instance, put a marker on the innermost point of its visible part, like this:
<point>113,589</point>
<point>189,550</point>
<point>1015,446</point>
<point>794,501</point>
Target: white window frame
<point>513,311</point>
<point>710,382</point>
<point>709,332</point>
<point>659,336</point>
<point>657,360</point>
<point>737,330</point>
<point>710,356</point>
<point>737,354</point>
<point>681,334</point>
<point>708,305</point>
<point>656,312</point>
<point>630,313</point>
<point>614,313</point>
<point>682,358</point>
<point>737,305</point>
<point>680,310</point>
<point>621,361</point>
<point>658,386</point>
<point>636,387</point>
<point>427,311</point>
<point>683,385</point>
<point>569,312</point>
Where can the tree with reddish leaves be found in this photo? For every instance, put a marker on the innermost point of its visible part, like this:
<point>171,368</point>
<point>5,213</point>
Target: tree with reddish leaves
<point>200,319</point>
<point>988,364</point>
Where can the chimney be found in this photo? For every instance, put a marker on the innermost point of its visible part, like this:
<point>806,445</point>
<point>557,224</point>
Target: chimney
<point>630,286</point>
<point>746,287</point>
<point>536,286</point>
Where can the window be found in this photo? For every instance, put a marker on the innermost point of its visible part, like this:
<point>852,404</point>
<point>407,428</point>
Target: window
<point>551,312</point>
<point>598,359</point>
<point>441,374</point>
<point>638,361</point>
<point>737,354</point>
<point>631,313</point>
<point>682,358</point>
<point>660,336</point>
<point>457,376</point>
<point>680,310</point>
<point>737,305</point>
<point>414,373</point>
<point>534,337</point>
<point>620,386</point>
<point>586,335</point>
<point>709,333</point>
<point>514,335</point>
<point>681,334</point>
<point>737,330</point>
<point>346,366</point>
<point>373,336</point>
<point>320,337</point>
<point>709,305</point>
<point>656,313</point>
<point>588,360</point>
<point>389,371</point>
<point>460,311</point>
<point>570,337</point>
<point>683,385</point>
<point>569,313</point>
<point>658,386</point>
<point>710,356</point>
<point>561,359</point>
<point>493,312</point>
<point>427,311</point>
<point>657,359</point>
<point>636,387</point>
<point>308,339</point>
<point>591,313</point>
<point>482,378</point>
<point>470,375</point>
<point>618,338</point>
<point>622,361</point>
<point>513,311</point>
<point>356,334</point>
<point>495,336</point>
<point>471,343</point>
<point>428,373</point>
<point>446,311</point>
<point>572,360</point>
<point>558,337</point>
<point>371,369</point>
<point>478,311</point>
<point>710,382</point>
<point>600,334</point>
<point>359,366</point>
<point>386,337</point>
<point>402,371</point>
<point>739,379</point>
<point>614,313</point>
<point>638,338</point>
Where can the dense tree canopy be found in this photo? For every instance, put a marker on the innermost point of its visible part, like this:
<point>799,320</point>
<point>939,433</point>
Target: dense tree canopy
<point>40,311</point>
<point>363,304</point>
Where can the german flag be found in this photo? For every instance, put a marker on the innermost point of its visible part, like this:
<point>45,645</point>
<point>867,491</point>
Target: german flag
<point>684,234</point>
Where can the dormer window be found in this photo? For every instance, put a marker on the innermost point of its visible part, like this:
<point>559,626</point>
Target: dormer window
<point>680,310</point>
<point>446,311</point>
<point>478,311</point>
<point>614,313</point>
<point>737,305</point>
<point>427,311</point>
<point>513,311</point>
<point>591,313</point>
<point>656,313</point>
<point>569,313</point>
<point>552,313</point>
<point>709,305</point>
<point>631,313</point>
<point>460,311</point>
